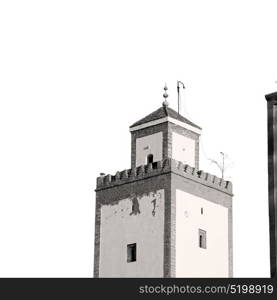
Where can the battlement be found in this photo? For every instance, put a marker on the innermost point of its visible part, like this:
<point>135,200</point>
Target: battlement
<point>162,167</point>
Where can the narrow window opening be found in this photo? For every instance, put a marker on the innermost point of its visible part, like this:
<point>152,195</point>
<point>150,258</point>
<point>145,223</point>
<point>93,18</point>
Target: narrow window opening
<point>202,210</point>
<point>202,238</point>
<point>155,165</point>
<point>150,158</point>
<point>131,252</point>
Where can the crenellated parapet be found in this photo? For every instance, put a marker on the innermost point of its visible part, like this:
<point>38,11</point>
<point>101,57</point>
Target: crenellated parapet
<point>162,167</point>
<point>202,177</point>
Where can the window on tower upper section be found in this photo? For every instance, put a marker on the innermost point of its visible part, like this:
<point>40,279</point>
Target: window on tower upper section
<point>202,238</point>
<point>131,252</point>
<point>150,158</point>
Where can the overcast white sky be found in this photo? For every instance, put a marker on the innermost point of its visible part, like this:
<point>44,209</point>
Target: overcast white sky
<point>74,75</point>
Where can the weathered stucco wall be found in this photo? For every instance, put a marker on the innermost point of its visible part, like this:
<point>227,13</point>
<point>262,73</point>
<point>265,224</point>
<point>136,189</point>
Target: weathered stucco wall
<point>137,219</point>
<point>141,182</point>
<point>151,144</point>
<point>191,260</point>
<point>173,128</point>
<point>183,149</point>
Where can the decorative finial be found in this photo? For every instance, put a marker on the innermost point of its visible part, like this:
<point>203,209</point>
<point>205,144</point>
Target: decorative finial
<point>165,95</point>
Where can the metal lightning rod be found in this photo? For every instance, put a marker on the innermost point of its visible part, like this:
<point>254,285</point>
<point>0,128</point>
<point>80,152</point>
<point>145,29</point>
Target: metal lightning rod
<point>178,91</point>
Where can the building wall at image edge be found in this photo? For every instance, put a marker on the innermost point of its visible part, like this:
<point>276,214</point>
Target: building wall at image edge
<point>272,177</point>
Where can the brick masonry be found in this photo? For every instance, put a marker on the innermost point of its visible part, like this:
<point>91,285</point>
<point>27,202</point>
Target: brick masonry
<point>97,235</point>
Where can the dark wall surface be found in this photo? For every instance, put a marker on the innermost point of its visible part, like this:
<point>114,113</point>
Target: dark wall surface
<point>272,177</point>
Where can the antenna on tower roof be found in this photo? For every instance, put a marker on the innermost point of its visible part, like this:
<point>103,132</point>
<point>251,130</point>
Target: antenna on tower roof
<point>178,91</point>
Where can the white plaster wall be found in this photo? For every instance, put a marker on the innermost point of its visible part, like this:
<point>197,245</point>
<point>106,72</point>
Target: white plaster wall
<point>154,145</point>
<point>183,149</point>
<point>191,260</point>
<point>119,228</point>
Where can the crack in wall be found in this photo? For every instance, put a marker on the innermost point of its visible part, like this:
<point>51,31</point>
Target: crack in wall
<point>154,207</point>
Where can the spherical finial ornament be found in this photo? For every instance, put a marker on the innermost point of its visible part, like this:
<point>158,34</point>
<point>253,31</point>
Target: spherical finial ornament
<point>165,95</point>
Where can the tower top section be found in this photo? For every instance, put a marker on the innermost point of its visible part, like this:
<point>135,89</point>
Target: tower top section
<point>165,114</point>
<point>164,134</point>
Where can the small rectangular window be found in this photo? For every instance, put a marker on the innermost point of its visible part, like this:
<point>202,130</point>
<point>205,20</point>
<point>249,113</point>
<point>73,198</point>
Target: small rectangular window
<point>202,211</point>
<point>202,238</point>
<point>131,252</point>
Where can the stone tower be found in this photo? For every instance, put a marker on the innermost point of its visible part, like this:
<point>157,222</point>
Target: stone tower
<point>272,177</point>
<point>163,217</point>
